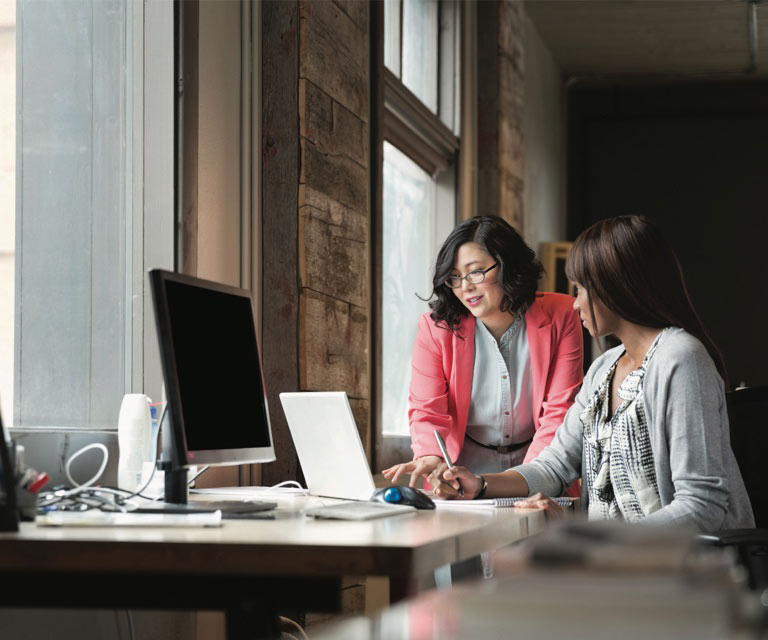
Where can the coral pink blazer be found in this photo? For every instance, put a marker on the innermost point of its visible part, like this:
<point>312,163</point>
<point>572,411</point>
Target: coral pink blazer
<point>443,363</point>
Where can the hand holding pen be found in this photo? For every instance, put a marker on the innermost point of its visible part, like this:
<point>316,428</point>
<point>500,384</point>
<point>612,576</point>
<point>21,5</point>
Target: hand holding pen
<point>446,457</point>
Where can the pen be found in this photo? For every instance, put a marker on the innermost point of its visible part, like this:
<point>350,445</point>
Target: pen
<point>446,457</point>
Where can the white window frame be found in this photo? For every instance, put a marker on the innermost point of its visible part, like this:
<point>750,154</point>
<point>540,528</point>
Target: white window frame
<point>152,183</point>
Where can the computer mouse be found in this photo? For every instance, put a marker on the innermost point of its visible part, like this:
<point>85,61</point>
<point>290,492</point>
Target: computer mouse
<point>403,495</point>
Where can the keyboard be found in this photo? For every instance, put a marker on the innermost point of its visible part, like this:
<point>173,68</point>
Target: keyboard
<point>96,518</point>
<point>359,510</point>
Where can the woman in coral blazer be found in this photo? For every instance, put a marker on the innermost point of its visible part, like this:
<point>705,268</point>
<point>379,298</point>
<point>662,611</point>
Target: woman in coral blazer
<point>493,358</point>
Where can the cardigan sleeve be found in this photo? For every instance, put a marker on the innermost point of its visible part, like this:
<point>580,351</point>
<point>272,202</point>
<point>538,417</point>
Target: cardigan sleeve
<point>566,372</point>
<point>428,397</point>
<point>560,463</point>
<point>685,398</point>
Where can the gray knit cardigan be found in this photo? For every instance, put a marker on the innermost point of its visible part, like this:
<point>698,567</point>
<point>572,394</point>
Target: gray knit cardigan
<point>699,481</point>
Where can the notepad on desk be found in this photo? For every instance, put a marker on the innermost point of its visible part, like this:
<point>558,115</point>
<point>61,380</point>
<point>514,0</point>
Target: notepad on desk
<point>493,503</point>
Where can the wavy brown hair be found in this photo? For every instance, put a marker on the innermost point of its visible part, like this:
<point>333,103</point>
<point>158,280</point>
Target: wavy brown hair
<point>518,271</point>
<point>628,264</point>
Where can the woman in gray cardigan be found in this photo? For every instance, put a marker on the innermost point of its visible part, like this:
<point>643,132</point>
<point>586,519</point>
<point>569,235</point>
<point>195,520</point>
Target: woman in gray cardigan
<point>648,431</point>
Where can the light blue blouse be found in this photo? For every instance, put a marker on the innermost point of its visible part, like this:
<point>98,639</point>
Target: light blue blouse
<point>501,405</point>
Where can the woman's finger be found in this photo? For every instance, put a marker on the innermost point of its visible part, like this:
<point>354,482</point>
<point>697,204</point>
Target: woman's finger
<point>401,469</point>
<point>422,468</point>
<point>443,486</point>
<point>540,501</point>
<point>416,473</point>
<point>435,479</point>
<point>445,491</point>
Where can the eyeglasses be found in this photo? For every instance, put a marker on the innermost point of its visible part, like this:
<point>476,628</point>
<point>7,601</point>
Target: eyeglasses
<point>473,277</point>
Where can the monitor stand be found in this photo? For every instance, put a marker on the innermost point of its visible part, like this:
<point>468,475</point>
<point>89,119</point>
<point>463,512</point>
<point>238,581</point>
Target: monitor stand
<point>177,500</point>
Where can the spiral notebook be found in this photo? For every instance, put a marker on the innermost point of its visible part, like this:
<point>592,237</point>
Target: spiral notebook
<point>494,503</point>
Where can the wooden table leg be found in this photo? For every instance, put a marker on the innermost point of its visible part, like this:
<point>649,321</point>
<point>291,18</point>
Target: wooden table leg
<point>402,588</point>
<point>251,620</point>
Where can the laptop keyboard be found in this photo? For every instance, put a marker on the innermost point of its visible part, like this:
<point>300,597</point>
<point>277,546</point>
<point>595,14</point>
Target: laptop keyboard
<point>359,510</point>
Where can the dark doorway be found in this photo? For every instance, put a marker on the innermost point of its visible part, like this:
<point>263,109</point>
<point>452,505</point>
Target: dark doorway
<point>694,158</point>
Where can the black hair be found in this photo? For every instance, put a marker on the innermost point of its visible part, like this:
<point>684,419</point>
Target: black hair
<point>518,269</point>
<point>627,263</point>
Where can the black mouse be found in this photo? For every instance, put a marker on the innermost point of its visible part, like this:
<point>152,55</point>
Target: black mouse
<point>403,495</point>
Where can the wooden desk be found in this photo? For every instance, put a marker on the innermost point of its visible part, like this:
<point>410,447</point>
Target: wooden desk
<point>580,579</point>
<point>248,568</point>
<point>566,604</point>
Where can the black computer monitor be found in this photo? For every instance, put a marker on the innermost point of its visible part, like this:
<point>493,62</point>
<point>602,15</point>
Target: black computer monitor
<point>214,383</point>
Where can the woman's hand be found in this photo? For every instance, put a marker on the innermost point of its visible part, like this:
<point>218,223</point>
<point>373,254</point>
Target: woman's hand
<point>416,468</point>
<point>540,501</point>
<point>445,482</point>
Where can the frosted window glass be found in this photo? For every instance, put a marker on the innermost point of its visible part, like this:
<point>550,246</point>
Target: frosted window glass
<point>407,263</point>
<point>419,63</point>
<point>392,36</point>
<point>74,78</point>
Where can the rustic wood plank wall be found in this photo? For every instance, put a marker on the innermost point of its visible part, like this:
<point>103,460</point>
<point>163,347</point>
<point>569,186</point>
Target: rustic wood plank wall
<point>333,201</point>
<point>500,71</point>
<point>511,94</point>
<point>280,179</point>
<point>191,82</point>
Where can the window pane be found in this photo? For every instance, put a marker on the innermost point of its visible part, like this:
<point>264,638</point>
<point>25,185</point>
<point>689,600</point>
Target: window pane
<point>7,199</point>
<point>392,36</point>
<point>450,68</point>
<point>419,64</point>
<point>71,229</point>
<point>407,261</point>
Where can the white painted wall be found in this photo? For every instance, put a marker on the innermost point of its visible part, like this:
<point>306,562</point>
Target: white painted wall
<point>544,143</point>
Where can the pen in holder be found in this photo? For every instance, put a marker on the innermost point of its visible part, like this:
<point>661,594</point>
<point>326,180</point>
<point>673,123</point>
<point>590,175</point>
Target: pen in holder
<point>29,481</point>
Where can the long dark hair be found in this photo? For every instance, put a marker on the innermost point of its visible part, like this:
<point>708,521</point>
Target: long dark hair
<point>518,271</point>
<point>628,264</point>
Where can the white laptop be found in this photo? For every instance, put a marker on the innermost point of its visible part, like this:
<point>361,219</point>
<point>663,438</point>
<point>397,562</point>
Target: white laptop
<point>328,444</point>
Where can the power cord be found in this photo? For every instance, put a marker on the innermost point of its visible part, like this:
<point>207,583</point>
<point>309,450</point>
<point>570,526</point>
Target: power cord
<point>77,454</point>
<point>198,474</point>
<point>82,497</point>
<point>284,488</point>
<point>291,626</point>
<point>286,484</point>
<point>85,496</point>
<point>140,492</point>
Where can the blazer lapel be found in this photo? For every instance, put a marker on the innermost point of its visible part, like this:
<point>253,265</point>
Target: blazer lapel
<point>463,370</point>
<point>539,328</point>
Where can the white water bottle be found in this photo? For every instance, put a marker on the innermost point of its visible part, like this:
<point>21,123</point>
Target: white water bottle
<point>134,428</point>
